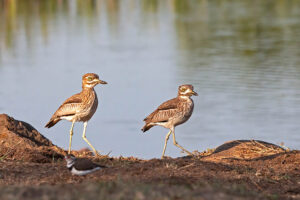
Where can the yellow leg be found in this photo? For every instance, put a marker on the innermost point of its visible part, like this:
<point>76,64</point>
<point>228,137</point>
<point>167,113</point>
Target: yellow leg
<point>166,140</point>
<point>176,144</point>
<point>83,136</point>
<point>71,134</point>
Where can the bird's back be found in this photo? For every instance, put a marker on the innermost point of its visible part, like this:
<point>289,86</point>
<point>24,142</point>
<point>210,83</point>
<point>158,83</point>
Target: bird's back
<point>79,107</point>
<point>165,111</point>
<point>170,113</point>
<point>86,164</point>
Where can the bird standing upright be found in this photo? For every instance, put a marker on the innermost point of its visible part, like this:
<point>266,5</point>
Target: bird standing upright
<point>172,113</point>
<point>79,107</point>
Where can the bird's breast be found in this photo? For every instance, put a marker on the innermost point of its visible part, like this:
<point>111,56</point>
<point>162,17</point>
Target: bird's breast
<point>89,106</point>
<point>185,111</point>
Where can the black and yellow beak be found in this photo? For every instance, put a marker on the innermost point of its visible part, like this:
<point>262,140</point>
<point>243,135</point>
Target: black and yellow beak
<point>101,82</point>
<point>194,93</point>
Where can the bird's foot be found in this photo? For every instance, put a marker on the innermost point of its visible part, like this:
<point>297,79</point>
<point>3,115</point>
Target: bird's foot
<point>97,154</point>
<point>165,157</point>
<point>188,153</point>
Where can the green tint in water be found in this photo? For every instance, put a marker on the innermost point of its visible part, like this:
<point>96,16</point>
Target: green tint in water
<point>243,58</point>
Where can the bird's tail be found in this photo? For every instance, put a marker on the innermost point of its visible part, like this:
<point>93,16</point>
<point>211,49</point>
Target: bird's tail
<point>147,127</point>
<point>52,122</point>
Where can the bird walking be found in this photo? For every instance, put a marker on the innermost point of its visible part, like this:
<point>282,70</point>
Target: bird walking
<point>81,166</point>
<point>79,107</point>
<point>173,113</point>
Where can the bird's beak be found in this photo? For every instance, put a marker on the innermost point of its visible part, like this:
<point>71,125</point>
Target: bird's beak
<point>194,93</point>
<point>101,82</point>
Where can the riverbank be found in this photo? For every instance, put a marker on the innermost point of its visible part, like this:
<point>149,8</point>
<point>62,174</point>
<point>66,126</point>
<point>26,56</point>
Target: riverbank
<point>236,170</point>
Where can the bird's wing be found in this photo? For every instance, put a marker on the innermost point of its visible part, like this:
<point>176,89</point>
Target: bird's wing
<point>164,111</point>
<point>85,164</point>
<point>69,107</point>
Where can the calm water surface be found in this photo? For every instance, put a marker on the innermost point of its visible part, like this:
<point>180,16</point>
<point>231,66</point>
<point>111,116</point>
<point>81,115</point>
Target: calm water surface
<point>242,57</point>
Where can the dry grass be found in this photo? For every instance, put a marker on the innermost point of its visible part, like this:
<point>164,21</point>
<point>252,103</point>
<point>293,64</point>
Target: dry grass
<point>32,168</point>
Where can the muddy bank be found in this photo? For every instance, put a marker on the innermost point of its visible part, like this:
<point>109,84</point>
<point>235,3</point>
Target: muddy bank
<point>236,170</point>
<point>270,177</point>
<point>20,141</point>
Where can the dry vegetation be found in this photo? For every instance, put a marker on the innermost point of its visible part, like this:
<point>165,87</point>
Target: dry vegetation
<point>241,169</point>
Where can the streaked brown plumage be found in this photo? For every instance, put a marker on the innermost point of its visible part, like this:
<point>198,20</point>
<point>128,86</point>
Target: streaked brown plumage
<point>79,107</point>
<point>172,113</point>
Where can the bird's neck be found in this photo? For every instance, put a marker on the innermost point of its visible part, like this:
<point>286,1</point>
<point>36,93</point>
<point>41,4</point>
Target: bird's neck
<point>87,89</point>
<point>184,97</point>
<point>70,164</point>
<point>87,85</point>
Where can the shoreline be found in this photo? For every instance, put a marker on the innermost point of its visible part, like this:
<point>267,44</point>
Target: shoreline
<point>239,169</point>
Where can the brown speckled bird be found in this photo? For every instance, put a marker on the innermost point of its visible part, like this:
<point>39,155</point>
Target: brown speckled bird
<point>79,107</point>
<point>172,113</point>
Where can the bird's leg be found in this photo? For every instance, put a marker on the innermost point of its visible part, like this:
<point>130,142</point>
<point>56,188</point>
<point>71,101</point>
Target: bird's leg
<point>166,140</point>
<point>71,134</point>
<point>83,136</point>
<point>176,144</point>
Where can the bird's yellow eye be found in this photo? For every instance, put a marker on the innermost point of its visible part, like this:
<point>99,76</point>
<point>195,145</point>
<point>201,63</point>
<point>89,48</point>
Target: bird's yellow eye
<point>90,78</point>
<point>182,89</point>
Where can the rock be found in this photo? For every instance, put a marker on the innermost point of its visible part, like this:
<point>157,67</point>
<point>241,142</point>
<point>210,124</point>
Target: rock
<point>21,141</point>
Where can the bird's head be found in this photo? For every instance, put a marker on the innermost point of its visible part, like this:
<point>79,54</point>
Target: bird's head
<point>186,91</point>
<point>70,159</point>
<point>90,80</point>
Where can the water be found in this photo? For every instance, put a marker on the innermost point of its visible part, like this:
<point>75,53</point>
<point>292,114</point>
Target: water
<point>242,57</point>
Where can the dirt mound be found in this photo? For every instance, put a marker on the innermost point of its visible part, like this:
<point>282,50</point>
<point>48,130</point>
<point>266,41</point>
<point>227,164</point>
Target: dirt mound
<point>240,169</point>
<point>18,137</point>
<point>244,150</point>
<point>270,177</point>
